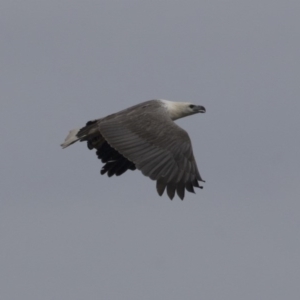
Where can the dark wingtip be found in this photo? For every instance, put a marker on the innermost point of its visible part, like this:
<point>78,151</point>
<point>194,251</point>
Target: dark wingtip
<point>180,196</point>
<point>171,196</point>
<point>189,187</point>
<point>171,191</point>
<point>160,192</point>
<point>160,187</point>
<point>180,189</point>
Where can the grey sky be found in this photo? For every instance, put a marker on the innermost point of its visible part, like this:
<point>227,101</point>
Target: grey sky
<point>68,233</point>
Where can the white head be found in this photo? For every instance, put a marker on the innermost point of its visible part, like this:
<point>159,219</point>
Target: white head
<point>179,110</point>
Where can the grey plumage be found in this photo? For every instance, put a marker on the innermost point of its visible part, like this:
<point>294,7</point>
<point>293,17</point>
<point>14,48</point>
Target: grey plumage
<point>144,137</point>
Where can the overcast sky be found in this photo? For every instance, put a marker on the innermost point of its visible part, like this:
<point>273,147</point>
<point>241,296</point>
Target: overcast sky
<point>68,233</point>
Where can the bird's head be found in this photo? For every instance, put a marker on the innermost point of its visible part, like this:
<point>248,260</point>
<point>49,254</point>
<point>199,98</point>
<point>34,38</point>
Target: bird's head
<point>192,109</point>
<point>179,110</point>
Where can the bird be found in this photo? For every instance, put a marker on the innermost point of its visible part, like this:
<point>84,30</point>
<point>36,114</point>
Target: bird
<point>145,137</point>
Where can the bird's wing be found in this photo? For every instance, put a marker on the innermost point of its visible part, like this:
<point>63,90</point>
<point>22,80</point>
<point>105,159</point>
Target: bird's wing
<point>157,146</point>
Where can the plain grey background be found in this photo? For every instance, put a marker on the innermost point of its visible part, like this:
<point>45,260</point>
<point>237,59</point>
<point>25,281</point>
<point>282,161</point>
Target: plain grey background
<point>68,233</point>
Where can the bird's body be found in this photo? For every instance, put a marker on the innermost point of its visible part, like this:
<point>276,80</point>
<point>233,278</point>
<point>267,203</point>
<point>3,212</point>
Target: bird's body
<point>145,137</point>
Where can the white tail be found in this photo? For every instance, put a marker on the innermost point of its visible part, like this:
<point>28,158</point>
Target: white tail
<point>71,138</point>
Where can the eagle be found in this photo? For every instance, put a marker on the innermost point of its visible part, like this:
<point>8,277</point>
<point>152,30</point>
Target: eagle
<point>145,137</point>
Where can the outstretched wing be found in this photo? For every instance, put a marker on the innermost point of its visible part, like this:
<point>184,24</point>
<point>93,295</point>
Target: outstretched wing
<point>158,147</point>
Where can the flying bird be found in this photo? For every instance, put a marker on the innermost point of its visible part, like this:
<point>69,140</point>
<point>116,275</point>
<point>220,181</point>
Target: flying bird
<point>144,137</point>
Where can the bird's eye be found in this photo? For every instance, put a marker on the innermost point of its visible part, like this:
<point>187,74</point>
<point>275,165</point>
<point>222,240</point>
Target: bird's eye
<point>192,106</point>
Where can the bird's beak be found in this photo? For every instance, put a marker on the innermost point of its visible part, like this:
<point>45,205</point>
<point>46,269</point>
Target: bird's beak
<point>200,109</point>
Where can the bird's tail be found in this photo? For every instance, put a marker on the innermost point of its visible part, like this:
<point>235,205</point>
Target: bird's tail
<point>83,134</point>
<point>71,138</point>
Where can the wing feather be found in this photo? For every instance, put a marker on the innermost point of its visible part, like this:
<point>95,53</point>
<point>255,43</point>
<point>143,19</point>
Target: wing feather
<point>160,149</point>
